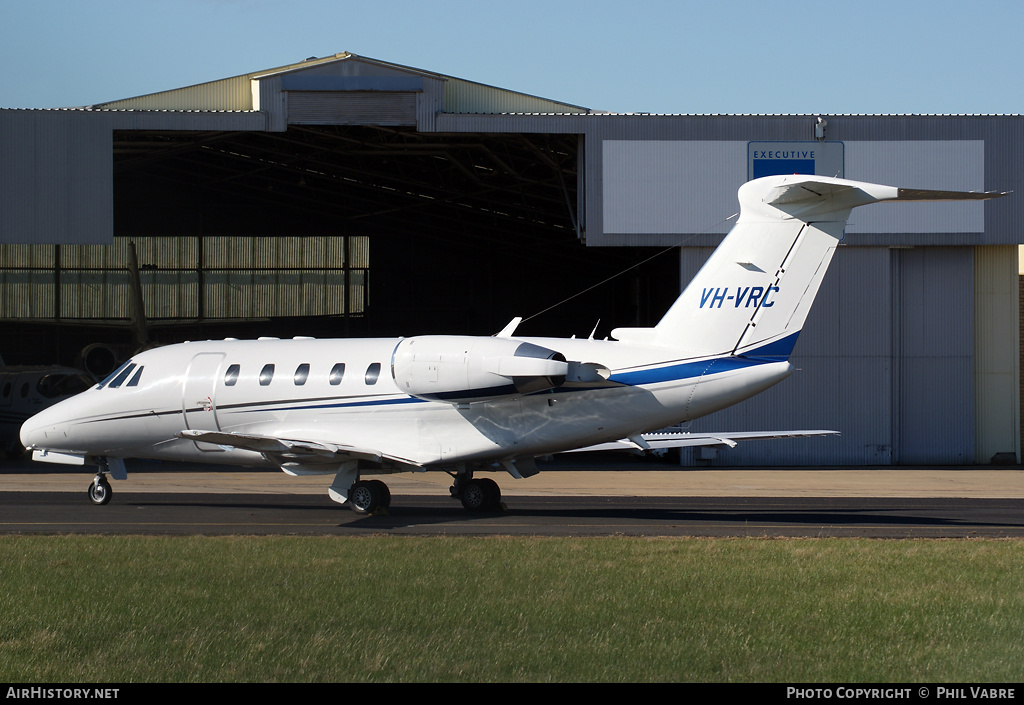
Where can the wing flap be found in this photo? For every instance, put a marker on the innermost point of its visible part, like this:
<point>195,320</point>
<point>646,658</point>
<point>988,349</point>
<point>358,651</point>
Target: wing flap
<point>293,451</point>
<point>652,441</point>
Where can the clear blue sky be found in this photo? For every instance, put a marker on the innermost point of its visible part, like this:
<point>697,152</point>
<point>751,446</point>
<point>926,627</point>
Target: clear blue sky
<point>714,56</point>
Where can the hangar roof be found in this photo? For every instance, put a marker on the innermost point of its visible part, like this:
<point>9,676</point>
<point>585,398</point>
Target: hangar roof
<point>237,93</point>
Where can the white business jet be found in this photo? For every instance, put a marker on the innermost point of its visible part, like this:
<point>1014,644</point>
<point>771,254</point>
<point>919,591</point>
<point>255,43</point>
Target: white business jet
<point>459,404</point>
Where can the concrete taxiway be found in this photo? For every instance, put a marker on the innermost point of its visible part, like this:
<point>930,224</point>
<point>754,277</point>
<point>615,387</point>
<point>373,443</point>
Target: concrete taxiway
<point>609,481</point>
<point>967,502</point>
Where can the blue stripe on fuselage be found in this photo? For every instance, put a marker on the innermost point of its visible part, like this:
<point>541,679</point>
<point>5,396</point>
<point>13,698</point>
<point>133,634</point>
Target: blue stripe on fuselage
<point>775,351</point>
<point>299,406</point>
<point>779,349</point>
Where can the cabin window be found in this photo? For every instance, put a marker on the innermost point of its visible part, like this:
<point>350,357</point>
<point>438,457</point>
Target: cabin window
<point>231,375</point>
<point>337,372</point>
<point>301,374</point>
<point>372,373</point>
<point>266,374</point>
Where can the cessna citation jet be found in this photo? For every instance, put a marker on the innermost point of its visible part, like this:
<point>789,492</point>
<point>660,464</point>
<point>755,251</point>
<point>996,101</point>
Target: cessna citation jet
<point>459,404</point>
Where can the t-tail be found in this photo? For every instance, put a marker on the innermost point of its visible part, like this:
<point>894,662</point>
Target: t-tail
<point>752,296</point>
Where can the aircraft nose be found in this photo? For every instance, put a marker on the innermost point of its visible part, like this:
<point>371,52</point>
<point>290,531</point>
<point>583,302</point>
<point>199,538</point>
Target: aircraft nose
<point>43,429</point>
<point>31,433</point>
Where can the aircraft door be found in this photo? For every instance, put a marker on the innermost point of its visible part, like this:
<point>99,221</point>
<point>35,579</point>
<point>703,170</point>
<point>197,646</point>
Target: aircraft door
<point>198,404</point>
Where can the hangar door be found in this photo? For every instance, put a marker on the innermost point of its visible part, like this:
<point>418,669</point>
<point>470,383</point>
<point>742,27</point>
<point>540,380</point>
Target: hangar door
<point>934,359</point>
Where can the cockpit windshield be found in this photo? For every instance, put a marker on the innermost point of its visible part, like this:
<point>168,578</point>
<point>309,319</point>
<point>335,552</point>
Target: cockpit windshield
<point>122,374</point>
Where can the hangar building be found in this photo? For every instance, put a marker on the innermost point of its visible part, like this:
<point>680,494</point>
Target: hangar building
<point>346,196</point>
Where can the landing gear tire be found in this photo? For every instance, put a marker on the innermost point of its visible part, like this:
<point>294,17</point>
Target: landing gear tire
<point>480,495</point>
<point>99,491</point>
<point>385,493</point>
<point>493,493</point>
<point>367,496</point>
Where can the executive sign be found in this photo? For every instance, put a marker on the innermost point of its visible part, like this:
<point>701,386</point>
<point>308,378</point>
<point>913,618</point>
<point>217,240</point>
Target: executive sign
<point>811,157</point>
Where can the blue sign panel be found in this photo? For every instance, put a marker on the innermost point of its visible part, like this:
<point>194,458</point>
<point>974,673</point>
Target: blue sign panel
<point>770,167</point>
<point>812,157</point>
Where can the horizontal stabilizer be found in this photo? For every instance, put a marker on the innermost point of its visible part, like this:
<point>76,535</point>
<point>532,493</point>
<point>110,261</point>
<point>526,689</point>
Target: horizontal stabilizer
<point>911,194</point>
<point>844,195</point>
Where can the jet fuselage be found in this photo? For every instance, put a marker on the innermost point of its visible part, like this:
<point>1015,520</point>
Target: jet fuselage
<point>345,389</point>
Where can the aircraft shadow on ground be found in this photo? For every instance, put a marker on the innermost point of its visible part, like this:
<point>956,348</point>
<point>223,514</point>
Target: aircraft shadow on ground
<point>410,514</point>
<point>305,513</point>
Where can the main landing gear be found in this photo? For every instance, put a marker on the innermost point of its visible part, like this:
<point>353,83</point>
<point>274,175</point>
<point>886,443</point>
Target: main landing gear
<point>476,494</point>
<point>369,496</point>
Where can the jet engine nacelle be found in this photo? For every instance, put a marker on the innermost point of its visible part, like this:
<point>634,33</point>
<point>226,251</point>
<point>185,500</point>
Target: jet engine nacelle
<point>460,369</point>
<point>100,359</point>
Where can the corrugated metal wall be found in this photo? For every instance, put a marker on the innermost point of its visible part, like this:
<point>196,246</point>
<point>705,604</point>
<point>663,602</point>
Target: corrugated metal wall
<point>226,94</point>
<point>55,177</point>
<point>188,278</point>
<point>468,97</point>
<point>351,92</point>
<point>27,288</point>
<point>351,108</point>
<point>934,359</point>
<point>276,276</point>
<point>996,352</point>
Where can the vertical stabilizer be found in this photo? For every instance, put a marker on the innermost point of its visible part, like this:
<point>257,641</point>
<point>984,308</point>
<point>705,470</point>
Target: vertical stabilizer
<point>754,293</point>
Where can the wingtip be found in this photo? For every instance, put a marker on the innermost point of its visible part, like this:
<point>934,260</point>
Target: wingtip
<point>910,194</point>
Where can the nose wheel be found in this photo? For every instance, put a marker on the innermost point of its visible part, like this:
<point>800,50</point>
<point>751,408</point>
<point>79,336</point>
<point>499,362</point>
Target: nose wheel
<point>99,490</point>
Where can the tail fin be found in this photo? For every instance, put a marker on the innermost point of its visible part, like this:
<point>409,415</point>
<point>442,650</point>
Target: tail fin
<point>753,295</point>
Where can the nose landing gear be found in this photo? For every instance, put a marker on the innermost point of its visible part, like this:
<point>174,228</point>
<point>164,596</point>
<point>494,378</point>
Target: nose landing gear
<point>99,491</point>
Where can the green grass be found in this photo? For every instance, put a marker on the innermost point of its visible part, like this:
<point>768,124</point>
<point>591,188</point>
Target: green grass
<point>147,609</point>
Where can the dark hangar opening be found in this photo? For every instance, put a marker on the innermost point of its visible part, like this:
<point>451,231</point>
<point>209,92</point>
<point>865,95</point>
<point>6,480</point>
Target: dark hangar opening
<point>464,231</point>
<point>337,231</point>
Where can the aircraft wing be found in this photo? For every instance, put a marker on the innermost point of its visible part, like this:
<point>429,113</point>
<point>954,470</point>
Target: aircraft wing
<point>293,455</point>
<point>652,441</point>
